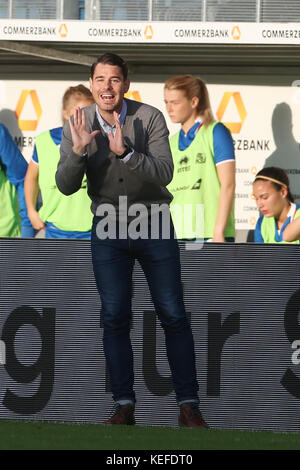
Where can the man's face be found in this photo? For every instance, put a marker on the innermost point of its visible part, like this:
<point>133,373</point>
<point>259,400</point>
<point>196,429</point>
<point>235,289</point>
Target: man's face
<point>108,87</point>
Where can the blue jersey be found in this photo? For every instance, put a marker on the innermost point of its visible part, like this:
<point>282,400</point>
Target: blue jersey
<point>15,167</point>
<point>223,143</point>
<point>258,237</point>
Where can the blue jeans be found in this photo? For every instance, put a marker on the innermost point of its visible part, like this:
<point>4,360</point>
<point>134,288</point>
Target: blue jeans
<point>113,261</point>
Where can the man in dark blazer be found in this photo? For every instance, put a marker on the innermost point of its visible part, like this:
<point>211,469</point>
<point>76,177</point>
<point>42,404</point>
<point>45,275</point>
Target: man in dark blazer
<point>123,147</point>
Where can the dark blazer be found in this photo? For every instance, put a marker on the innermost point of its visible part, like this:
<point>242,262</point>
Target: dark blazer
<point>143,178</point>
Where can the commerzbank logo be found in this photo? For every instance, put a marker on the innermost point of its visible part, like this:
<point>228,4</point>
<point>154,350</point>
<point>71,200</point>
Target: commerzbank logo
<point>63,30</point>
<point>133,95</point>
<point>228,96</point>
<point>236,33</point>
<point>28,124</point>
<point>148,33</point>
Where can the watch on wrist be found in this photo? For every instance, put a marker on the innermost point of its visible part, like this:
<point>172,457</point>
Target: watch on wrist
<point>126,152</point>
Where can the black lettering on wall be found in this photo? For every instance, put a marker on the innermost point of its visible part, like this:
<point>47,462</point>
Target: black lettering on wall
<point>292,328</point>
<point>218,334</point>
<point>43,367</point>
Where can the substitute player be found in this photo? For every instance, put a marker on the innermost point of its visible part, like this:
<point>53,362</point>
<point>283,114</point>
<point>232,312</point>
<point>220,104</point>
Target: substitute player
<point>61,216</point>
<point>13,166</point>
<point>276,204</point>
<point>204,162</point>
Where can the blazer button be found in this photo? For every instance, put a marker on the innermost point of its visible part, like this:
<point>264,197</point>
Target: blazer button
<point>121,180</point>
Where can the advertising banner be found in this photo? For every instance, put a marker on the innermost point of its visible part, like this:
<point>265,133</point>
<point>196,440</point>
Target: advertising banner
<point>168,32</point>
<point>243,304</point>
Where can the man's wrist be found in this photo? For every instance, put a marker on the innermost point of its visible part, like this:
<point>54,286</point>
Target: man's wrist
<point>125,153</point>
<point>79,150</point>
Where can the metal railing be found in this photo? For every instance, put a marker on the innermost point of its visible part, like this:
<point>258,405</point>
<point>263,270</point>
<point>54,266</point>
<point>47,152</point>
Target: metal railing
<point>154,10</point>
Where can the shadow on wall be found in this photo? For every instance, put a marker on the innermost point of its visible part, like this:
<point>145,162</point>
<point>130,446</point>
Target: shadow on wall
<point>8,118</point>
<point>287,153</point>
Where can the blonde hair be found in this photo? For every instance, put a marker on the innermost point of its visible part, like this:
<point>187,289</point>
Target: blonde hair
<point>76,93</point>
<point>193,86</point>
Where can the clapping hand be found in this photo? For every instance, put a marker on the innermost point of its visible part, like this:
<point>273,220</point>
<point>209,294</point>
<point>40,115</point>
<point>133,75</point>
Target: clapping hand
<point>81,138</point>
<point>116,142</point>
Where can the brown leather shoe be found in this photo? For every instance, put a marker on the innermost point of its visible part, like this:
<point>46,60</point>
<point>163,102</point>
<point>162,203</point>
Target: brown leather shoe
<point>190,416</point>
<point>124,414</point>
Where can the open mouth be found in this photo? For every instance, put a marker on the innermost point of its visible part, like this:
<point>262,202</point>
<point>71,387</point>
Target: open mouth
<point>107,97</point>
